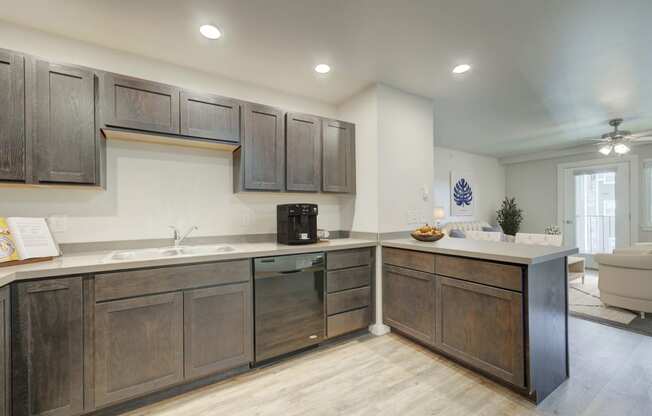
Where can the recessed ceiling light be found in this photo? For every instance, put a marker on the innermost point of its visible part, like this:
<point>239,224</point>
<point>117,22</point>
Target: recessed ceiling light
<point>210,31</point>
<point>460,69</point>
<point>323,69</point>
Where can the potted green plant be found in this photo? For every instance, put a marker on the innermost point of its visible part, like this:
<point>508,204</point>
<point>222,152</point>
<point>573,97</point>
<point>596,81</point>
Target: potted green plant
<point>510,216</point>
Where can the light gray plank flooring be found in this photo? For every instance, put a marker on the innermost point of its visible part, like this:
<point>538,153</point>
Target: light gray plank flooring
<point>611,374</point>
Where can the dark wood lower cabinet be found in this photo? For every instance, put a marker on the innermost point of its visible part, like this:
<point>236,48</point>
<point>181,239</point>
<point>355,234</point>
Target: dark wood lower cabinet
<point>138,346</point>
<point>218,329</point>
<point>76,345</point>
<point>482,326</point>
<point>409,302</point>
<point>508,321</point>
<point>47,348</point>
<point>5,350</point>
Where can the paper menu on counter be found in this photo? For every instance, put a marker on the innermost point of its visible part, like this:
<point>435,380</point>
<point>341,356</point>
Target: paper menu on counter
<point>24,238</point>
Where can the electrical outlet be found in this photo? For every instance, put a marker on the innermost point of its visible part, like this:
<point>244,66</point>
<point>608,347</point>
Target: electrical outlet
<point>58,223</point>
<point>412,216</point>
<point>246,219</point>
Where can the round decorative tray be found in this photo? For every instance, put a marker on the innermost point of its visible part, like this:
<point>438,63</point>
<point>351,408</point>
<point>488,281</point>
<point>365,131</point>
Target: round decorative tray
<point>428,238</point>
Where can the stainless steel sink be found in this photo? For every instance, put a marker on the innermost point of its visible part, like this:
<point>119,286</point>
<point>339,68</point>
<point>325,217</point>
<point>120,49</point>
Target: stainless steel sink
<point>154,253</point>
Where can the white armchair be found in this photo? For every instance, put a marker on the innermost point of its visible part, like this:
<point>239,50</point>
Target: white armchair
<point>625,278</point>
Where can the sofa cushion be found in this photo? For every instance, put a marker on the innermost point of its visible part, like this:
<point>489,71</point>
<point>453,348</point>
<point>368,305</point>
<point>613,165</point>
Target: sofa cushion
<point>455,233</point>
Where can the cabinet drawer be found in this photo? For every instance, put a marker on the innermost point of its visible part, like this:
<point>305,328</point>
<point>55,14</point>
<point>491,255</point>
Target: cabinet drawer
<point>348,258</point>
<point>348,279</point>
<point>487,273</point>
<point>348,322</point>
<point>348,300</point>
<point>424,262</point>
<point>168,279</point>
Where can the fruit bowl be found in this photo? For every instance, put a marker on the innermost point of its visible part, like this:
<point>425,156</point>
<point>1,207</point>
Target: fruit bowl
<point>426,237</point>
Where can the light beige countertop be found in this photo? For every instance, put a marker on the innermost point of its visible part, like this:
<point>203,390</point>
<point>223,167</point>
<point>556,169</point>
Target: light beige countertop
<point>485,250</point>
<point>98,261</point>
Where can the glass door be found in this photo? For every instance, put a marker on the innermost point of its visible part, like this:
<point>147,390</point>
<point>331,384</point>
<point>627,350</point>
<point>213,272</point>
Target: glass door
<point>597,209</point>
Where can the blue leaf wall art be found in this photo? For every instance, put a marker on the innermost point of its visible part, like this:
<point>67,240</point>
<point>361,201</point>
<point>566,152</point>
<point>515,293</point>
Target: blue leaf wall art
<point>462,193</point>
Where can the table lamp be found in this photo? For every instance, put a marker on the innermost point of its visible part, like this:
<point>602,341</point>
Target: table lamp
<point>439,215</point>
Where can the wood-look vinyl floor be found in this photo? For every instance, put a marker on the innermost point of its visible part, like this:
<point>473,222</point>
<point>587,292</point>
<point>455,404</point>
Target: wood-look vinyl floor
<point>611,374</point>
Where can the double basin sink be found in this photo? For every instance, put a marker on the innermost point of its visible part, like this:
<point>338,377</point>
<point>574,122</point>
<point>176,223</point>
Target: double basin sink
<point>155,253</point>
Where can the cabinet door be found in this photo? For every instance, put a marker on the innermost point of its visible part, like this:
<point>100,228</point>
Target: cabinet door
<point>138,346</point>
<point>65,124</point>
<point>138,104</point>
<point>409,302</point>
<point>5,356</point>
<point>338,156</point>
<point>303,152</point>
<point>264,148</point>
<point>12,117</point>
<point>48,352</point>
<point>218,329</point>
<point>482,326</point>
<point>210,117</point>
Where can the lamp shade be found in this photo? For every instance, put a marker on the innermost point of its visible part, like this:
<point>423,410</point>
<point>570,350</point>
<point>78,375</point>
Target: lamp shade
<point>439,213</point>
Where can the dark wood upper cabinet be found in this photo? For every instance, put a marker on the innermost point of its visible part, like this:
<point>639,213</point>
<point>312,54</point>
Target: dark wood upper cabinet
<point>482,326</point>
<point>65,139</point>
<point>303,152</point>
<point>5,352</point>
<point>409,302</point>
<point>259,164</point>
<point>138,346</point>
<point>208,116</point>
<point>12,117</point>
<point>338,156</point>
<point>218,329</point>
<point>138,104</point>
<point>47,348</point>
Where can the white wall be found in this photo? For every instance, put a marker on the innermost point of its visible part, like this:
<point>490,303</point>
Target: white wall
<point>361,214</point>
<point>151,186</point>
<point>534,184</point>
<point>488,176</point>
<point>405,163</point>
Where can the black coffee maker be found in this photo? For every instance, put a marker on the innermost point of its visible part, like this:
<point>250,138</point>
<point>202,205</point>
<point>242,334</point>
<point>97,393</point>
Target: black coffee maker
<point>296,223</point>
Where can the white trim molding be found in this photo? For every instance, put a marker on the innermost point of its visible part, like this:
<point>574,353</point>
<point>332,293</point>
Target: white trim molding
<point>634,181</point>
<point>646,181</point>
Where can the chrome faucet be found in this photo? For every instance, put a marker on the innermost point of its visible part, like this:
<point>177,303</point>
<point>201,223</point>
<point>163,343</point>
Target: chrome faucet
<point>179,237</point>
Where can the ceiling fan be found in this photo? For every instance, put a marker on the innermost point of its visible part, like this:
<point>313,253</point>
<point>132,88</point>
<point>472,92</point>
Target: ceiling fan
<point>620,141</point>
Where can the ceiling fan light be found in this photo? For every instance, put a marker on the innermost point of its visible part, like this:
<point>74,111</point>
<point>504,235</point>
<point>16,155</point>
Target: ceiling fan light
<point>621,148</point>
<point>606,149</point>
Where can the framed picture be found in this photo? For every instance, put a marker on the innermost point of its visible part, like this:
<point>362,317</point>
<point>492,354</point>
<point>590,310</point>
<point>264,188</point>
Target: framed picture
<point>462,194</point>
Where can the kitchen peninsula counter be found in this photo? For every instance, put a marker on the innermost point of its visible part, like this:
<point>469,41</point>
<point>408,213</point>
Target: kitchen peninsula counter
<point>498,308</point>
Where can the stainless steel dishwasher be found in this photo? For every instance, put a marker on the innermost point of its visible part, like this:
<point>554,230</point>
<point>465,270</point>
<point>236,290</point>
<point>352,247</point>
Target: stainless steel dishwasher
<point>288,303</point>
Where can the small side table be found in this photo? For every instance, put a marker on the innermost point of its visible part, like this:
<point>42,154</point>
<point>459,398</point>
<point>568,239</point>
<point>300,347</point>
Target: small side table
<point>576,268</point>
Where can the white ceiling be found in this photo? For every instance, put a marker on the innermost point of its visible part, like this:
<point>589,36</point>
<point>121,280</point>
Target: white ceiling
<point>546,73</point>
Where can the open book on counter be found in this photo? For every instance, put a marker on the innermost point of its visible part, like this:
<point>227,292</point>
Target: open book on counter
<point>23,238</point>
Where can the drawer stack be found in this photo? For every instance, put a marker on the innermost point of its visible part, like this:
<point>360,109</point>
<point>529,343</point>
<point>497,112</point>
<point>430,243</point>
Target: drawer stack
<point>348,289</point>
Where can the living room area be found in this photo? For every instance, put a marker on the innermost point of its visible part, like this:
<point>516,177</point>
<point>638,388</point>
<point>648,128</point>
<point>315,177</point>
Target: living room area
<point>579,197</point>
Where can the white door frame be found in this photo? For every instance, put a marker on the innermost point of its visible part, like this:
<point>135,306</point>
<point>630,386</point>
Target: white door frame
<point>634,206</point>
